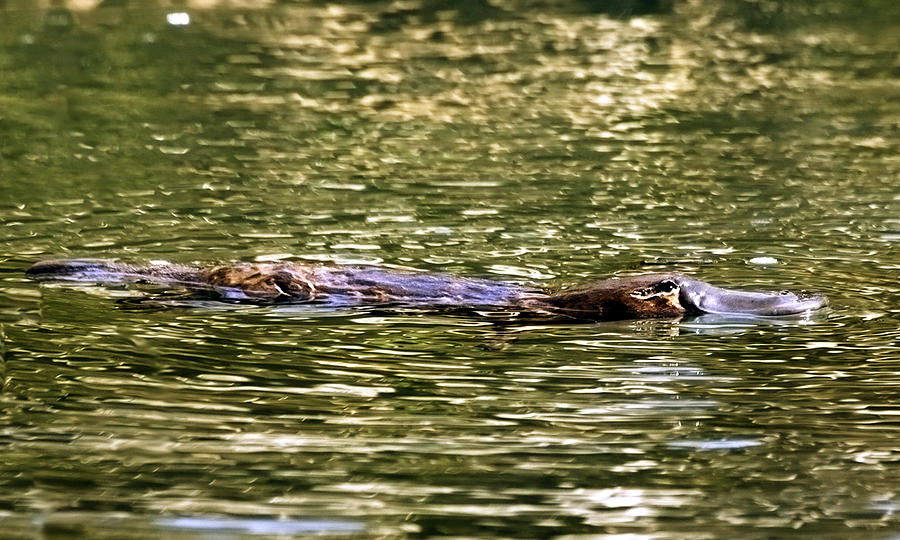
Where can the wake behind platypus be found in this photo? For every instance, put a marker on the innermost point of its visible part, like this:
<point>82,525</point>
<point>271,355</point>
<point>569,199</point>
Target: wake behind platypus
<point>636,297</point>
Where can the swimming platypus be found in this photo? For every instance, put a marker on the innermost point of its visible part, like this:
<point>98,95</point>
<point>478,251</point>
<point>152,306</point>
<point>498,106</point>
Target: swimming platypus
<point>636,297</point>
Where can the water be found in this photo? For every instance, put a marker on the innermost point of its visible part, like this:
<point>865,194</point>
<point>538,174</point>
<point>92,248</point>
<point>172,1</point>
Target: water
<point>749,144</point>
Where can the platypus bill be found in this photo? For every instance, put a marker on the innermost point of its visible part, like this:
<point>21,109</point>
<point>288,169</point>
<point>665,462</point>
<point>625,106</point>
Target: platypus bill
<point>637,297</point>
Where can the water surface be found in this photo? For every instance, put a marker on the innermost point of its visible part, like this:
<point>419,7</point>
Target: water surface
<point>544,145</point>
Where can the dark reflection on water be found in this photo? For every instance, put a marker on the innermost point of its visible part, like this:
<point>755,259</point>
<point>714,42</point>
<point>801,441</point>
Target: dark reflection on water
<point>751,146</point>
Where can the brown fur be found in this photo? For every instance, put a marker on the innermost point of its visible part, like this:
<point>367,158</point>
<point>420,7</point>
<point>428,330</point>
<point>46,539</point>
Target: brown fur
<point>637,297</point>
<point>264,281</point>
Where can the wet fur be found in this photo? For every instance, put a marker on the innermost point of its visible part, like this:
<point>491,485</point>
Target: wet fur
<point>648,296</point>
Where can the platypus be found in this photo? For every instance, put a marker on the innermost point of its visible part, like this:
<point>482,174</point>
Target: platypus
<point>634,297</point>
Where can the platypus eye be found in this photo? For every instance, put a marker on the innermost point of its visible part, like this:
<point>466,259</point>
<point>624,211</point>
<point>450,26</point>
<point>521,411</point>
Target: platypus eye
<point>666,286</point>
<point>784,293</point>
<point>656,290</point>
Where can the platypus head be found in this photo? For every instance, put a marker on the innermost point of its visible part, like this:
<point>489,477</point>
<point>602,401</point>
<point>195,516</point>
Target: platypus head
<point>672,295</point>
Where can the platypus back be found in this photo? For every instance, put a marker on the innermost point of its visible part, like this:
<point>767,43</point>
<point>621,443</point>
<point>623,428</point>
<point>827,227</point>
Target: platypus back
<point>294,282</point>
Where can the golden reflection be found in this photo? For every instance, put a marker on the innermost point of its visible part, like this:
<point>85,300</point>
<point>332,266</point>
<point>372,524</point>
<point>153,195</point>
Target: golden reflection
<point>538,145</point>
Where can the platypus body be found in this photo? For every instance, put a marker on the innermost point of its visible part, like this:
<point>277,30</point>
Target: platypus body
<point>637,297</point>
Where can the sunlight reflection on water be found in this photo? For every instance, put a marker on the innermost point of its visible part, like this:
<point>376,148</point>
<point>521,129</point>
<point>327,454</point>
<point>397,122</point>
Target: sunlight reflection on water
<point>539,146</point>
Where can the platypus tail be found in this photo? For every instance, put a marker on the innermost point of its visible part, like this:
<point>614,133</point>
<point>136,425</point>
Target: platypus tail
<point>108,271</point>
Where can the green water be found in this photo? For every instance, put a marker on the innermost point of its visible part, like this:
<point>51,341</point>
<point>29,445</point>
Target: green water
<point>750,144</point>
